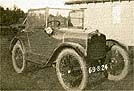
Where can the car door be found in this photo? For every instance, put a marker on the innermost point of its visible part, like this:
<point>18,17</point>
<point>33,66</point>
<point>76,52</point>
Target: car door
<point>41,43</point>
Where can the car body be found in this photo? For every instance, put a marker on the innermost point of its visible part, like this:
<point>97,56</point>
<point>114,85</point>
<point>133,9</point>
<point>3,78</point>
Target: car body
<point>50,35</point>
<point>41,47</point>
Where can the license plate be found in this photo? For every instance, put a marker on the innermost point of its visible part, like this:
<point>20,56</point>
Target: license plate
<point>98,68</point>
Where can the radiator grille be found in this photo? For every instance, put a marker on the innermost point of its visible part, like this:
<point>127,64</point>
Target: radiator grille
<point>96,46</point>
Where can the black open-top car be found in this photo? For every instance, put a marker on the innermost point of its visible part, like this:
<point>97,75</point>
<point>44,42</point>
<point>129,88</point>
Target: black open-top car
<point>57,37</point>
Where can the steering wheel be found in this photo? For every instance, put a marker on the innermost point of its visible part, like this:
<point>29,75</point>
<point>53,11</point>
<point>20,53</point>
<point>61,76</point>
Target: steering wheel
<point>54,23</point>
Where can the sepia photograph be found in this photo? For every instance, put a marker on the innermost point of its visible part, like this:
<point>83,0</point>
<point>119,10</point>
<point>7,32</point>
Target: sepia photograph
<point>67,45</point>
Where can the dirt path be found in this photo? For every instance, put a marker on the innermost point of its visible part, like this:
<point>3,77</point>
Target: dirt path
<point>46,79</point>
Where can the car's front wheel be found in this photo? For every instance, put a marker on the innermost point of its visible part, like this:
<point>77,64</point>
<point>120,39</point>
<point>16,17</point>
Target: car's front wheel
<point>71,70</point>
<point>118,61</point>
<point>18,58</point>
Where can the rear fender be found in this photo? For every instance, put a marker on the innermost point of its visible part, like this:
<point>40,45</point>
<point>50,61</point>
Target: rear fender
<point>23,38</point>
<point>12,43</point>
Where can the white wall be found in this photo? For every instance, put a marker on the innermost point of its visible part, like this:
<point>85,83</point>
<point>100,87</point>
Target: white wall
<point>100,16</point>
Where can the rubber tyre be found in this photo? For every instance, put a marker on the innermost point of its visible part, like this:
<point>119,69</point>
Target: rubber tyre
<point>124,71</point>
<point>15,66</point>
<point>83,68</point>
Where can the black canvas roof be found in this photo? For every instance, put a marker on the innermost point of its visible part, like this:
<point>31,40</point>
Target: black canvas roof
<point>91,1</point>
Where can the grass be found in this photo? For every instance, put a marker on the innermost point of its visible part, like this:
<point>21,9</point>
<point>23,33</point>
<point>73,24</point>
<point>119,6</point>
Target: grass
<point>46,79</point>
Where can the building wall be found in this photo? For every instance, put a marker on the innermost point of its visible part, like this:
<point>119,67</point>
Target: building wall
<point>116,19</point>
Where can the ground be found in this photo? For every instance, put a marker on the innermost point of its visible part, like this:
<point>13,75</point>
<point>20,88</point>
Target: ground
<point>45,79</point>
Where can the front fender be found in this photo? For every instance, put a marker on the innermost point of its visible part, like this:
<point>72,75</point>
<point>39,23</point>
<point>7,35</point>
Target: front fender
<point>77,47</point>
<point>111,42</point>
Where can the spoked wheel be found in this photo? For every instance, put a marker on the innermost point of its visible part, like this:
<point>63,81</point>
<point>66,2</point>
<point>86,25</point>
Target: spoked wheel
<point>18,58</point>
<point>71,70</point>
<point>118,62</point>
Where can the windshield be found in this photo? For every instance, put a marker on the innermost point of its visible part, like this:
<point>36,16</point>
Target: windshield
<point>60,15</point>
<point>76,18</point>
<point>67,18</point>
<point>48,17</point>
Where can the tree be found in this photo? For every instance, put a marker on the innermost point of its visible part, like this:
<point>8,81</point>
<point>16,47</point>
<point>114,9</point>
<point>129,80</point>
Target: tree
<point>8,16</point>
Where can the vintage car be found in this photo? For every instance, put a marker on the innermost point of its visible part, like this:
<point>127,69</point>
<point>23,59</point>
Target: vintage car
<point>55,37</point>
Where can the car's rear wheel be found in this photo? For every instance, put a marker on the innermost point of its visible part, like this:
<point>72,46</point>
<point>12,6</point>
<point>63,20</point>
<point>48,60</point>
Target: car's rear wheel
<point>118,62</point>
<point>71,70</point>
<point>18,58</point>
